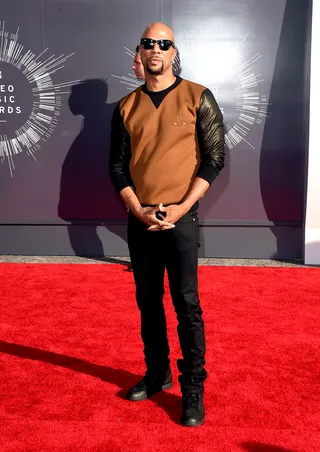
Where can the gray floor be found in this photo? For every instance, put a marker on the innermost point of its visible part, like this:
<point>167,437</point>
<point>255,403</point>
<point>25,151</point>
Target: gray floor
<point>125,260</point>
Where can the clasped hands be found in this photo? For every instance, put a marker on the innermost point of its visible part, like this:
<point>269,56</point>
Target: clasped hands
<point>169,216</point>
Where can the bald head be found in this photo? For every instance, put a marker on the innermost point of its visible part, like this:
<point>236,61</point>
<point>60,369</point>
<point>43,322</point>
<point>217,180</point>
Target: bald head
<point>157,50</point>
<point>158,30</point>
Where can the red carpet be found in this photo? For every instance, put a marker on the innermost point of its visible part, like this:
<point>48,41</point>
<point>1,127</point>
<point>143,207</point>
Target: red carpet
<point>70,348</point>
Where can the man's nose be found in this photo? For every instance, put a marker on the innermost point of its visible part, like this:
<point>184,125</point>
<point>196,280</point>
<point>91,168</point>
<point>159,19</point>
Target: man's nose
<point>156,48</point>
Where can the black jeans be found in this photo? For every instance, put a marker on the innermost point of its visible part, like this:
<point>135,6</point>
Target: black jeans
<point>177,251</point>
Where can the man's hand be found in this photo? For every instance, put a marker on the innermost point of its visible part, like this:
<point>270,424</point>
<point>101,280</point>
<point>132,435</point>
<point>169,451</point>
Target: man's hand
<point>145,214</point>
<point>148,216</point>
<point>173,213</point>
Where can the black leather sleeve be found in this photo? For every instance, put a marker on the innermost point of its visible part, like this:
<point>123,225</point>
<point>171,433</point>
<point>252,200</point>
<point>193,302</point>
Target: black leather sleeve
<point>120,152</point>
<point>210,134</point>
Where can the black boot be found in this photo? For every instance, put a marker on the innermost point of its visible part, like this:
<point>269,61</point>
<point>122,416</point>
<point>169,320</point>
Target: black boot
<point>150,385</point>
<point>192,409</point>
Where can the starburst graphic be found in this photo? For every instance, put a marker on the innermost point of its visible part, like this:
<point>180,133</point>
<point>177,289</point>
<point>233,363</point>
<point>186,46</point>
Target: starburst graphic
<point>250,104</point>
<point>235,79</point>
<point>46,97</point>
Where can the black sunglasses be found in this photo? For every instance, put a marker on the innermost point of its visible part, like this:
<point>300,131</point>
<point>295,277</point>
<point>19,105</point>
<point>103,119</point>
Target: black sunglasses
<point>164,44</point>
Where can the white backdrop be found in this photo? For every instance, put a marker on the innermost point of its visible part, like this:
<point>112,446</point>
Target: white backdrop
<point>312,223</point>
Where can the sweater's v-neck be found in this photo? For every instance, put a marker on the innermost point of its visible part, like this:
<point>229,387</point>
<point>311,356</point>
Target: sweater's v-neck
<point>158,96</point>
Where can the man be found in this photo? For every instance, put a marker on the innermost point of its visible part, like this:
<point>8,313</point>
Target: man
<point>137,65</point>
<point>167,147</point>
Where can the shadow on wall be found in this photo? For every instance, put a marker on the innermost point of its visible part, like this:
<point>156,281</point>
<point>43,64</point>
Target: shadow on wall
<point>259,447</point>
<point>87,196</point>
<point>285,140</point>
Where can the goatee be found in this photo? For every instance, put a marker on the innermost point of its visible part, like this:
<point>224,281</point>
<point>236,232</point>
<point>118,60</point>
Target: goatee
<point>157,71</point>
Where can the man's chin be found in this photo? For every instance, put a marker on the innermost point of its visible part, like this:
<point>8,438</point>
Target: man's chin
<point>155,71</point>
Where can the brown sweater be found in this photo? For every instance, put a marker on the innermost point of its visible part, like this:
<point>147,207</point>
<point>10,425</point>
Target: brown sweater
<point>164,146</point>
